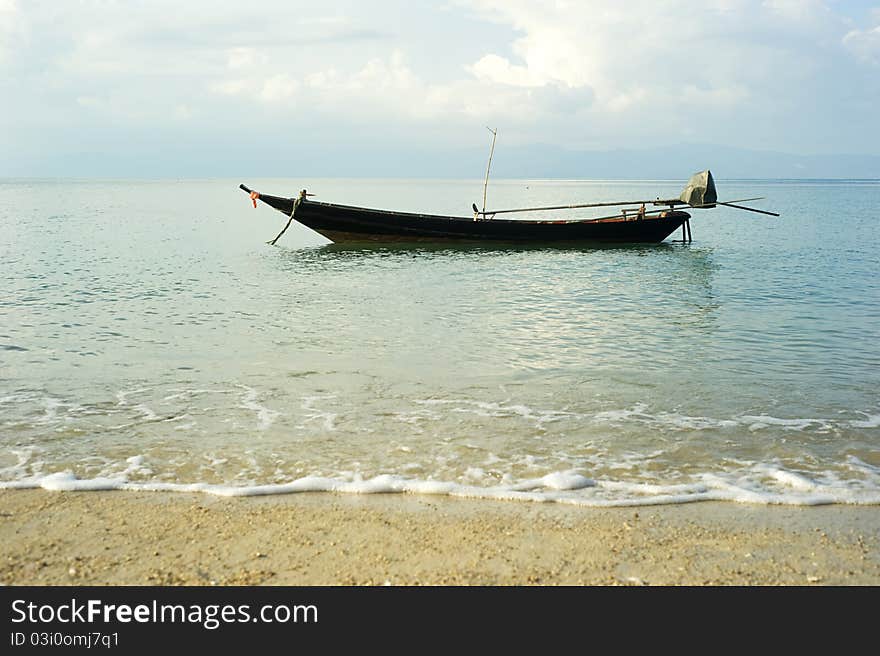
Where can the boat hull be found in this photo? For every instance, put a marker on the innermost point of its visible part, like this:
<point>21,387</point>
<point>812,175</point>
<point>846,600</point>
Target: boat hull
<point>347,224</point>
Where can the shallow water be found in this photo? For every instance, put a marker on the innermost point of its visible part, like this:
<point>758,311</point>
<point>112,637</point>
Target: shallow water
<point>150,338</point>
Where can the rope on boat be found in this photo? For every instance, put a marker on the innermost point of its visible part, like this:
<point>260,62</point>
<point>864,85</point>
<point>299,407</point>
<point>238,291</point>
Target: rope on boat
<point>296,203</point>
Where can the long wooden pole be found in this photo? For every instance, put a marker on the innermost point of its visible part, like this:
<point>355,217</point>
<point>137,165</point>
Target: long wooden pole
<point>655,201</point>
<point>489,165</point>
<point>571,207</point>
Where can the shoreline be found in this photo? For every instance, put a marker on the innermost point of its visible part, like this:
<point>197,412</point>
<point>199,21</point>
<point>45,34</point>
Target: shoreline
<point>160,538</point>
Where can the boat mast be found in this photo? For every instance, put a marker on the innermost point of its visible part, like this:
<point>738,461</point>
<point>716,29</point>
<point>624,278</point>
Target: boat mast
<point>489,165</point>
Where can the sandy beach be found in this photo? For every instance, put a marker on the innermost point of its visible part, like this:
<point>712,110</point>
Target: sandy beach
<point>142,538</point>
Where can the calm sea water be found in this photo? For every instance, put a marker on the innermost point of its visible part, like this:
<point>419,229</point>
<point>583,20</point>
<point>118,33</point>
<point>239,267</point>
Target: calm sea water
<point>150,339</point>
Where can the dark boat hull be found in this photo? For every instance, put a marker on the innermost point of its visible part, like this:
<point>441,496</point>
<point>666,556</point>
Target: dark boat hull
<point>346,224</point>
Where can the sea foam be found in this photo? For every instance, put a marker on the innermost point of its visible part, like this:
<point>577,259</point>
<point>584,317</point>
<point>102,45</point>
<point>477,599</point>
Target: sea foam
<point>265,416</point>
<point>762,484</point>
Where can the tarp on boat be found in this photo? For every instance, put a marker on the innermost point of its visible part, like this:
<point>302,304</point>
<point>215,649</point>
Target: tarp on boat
<point>700,190</point>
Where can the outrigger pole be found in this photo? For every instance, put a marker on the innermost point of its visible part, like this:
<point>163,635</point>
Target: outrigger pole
<point>699,193</point>
<point>655,201</point>
<point>747,209</point>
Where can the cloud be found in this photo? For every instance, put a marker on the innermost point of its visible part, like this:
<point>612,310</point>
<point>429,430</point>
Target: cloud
<point>245,58</point>
<point>644,51</point>
<point>14,31</point>
<point>278,88</point>
<point>784,74</point>
<point>864,44</point>
<point>384,87</point>
<point>376,79</point>
<point>759,71</point>
<point>498,70</point>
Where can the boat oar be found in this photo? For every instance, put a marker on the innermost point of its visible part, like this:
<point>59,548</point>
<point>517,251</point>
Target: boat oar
<point>747,209</point>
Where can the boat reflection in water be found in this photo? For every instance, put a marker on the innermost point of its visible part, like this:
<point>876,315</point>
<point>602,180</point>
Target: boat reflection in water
<point>522,307</point>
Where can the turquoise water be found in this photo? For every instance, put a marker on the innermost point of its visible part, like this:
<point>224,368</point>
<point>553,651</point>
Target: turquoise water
<point>150,339</point>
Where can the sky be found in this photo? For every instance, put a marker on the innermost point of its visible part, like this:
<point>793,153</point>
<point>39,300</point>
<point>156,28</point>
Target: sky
<point>206,88</point>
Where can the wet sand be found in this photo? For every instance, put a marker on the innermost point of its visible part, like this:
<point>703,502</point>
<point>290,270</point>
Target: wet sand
<point>143,538</point>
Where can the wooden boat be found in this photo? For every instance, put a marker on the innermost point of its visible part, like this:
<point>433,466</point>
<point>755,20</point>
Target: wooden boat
<point>344,223</point>
<point>636,224</point>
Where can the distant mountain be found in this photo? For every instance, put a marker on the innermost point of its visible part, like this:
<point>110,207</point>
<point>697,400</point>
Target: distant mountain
<point>677,162</point>
<point>377,158</point>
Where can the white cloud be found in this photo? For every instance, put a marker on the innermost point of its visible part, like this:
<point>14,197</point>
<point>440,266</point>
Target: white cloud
<point>806,12</point>
<point>278,88</point>
<point>376,79</point>
<point>865,44</point>
<point>245,58</point>
<point>644,51</point>
<point>597,73</point>
<point>377,74</point>
<point>498,70</point>
<point>14,30</point>
<point>231,87</point>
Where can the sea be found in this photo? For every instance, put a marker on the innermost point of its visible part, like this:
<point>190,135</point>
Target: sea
<point>151,339</point>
